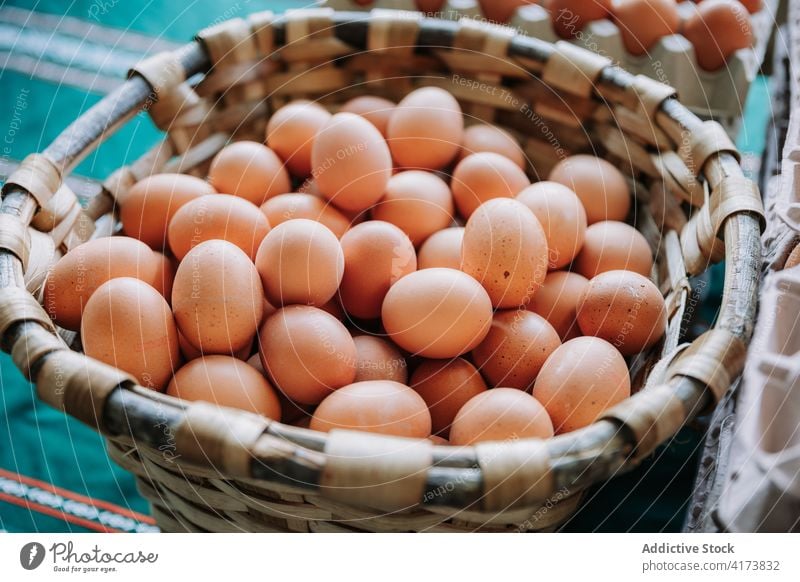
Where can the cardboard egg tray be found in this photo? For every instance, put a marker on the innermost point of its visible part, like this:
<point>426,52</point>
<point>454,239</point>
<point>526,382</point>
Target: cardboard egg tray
<point>761,490</point>
<point>719,95</point>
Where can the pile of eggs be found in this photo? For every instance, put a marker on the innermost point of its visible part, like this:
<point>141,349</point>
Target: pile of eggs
<point>383,269</point>
<point>716,28</point>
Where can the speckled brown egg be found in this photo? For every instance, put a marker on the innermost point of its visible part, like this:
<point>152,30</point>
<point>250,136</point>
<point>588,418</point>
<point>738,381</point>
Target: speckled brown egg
<point>484,176</point>
<point>442,249</point>
<point>557,301</point>
<point>378,359</point>
<point>291,132</point>
<point>377,110</point>
<point>285,207</point>
<point>221,217</point>
<point>515,349</point>
<point>351,162</point>
<point>601,187</point>
<point>500,415</point>
<point>249,170</point>
<point>307,353</point>
<point>562,217</point>
<point>446,386</point>
<point>379,407</point>
<point>437,313</point>
<point>217,298</point>
<point>128,324</point>
<point>300,262</point>
<point>82,270</point>
<point>425,129</point>
<point>228,382</point>
<point>624,309</point>
<point>505,249</point>
<point>580,380</point>
<point>611,246</point>
<point>418,203</point>
<point>147,208</point>
<point>489,138</point>
<point>376,255</point>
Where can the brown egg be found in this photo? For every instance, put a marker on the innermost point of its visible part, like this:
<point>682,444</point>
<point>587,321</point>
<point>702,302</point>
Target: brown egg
<point>571,16</point>
<point>642,23</point>
<point>488,138</point>
<point>580,380</point>
<point>446,386</point>
<point>379,407</point>
<point>516,348</point>
<point>505,249</point>
<point>149,205</point>
<point>752,6</point>
<point>562,217</point>
<point>249,170</point>
<point>376,110</point>
<point>426,129</point>
<point>442,249</point>
<point>128,324</point>
<point>612,246</point>
<point>300,262</point>
<point>376,255</point>
<point>82,270</point>
<point>418,203</point>
<point>437,313</point>
<point>557,301</point>
<point>285,207</point>
<point>217,217</point>
<point>291,132</point>
<point>717,29</point>
<point>228,382</point>
<point>307,353</point>
<point>439,441</point>
<point>601,187</point>
<point>378,359</point>
<point>484,176</point>
<point>217,298</point>
<point>165,276</point>
<point>501,414</point>
<point>624,309</point>
<point>794,258</point>
<point>351,162</point>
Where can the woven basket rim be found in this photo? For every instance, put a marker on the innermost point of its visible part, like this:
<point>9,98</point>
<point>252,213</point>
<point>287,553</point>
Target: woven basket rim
<point>264,450</point>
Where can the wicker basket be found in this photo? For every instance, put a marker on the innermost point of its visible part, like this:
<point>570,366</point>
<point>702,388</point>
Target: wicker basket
<point>206,468</point>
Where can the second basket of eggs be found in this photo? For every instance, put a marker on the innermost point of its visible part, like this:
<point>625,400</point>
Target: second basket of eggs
<point>709,50</point>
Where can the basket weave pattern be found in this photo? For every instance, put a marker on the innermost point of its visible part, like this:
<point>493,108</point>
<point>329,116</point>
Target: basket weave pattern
<point>209,469</point>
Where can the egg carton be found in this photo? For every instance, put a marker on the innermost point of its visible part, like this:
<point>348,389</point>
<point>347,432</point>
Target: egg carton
<point>761,490</point>
<point>717,95</point>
